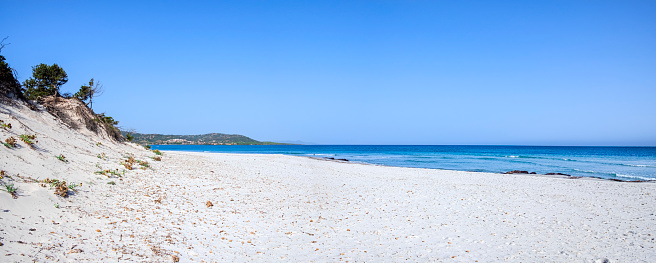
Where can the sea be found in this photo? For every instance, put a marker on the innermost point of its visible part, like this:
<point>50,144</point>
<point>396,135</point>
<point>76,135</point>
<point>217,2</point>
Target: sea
<point>620,163</point>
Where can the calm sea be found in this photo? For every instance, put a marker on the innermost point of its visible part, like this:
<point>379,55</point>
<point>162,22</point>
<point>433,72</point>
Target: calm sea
<point>624,163</point>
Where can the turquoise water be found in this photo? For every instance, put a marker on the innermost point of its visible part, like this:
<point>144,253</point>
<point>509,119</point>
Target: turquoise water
<point>624,163</point>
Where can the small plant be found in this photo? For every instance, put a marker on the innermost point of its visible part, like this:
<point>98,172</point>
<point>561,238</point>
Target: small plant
<point>61,188</point>
<point>28,139</point>
<point>157,158</point>
<point>147,147</point>
<point>56,205</point>
<point>157,152</point>
<point>102,156</point>
<point>2,174</point>
<point>5,126</point>
<point>10,142</point>
<point>98,144</point>
<point>130,137</point>
<point>143,164</point>
<point>10,188</point>
<point>128,163</point>
<point>111,182</point>
<point>62,158</point>
<point>106,119</point>
<point>72,186</point>
<point>110,172</point>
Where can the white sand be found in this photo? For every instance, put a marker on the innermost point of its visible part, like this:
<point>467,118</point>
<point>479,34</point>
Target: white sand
<point>284,208</point>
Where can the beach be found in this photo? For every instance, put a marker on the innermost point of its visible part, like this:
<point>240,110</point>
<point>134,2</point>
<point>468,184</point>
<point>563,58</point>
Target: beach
<point>285,208</point>
<point>123,202</point>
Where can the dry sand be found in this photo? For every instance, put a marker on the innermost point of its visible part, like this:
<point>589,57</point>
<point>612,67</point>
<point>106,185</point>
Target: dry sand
<point>283,208</point>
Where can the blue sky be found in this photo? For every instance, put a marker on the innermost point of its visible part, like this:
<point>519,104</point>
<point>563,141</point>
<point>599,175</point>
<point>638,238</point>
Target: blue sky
<point>356,72</point>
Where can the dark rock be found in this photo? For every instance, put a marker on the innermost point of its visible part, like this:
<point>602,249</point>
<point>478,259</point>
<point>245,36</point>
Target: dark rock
<point>516,172</point>
<point>342,160</point>
<point>532,173</point>
<point>558,174</point>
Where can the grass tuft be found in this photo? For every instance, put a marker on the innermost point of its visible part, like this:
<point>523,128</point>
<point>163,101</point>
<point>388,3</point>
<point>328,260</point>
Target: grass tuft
<point>28,139</point>
<point>10,188</point>
<point>62,158</point>
<point>5,126</point>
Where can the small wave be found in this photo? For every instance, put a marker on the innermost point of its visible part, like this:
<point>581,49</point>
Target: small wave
<point>593,172</point>
<point>523,157</point>
<point>633,177</point>
<point>638,165</point>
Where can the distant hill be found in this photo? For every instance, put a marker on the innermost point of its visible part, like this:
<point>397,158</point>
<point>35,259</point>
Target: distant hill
<point>203,139</point>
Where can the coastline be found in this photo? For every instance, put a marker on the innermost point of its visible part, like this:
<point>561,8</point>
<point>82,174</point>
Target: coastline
<point>609,163</point>
<point>342,160</point>
<point>267,207</point>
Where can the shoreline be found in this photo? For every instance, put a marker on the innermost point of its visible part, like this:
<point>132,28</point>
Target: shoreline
<point>340,160</point>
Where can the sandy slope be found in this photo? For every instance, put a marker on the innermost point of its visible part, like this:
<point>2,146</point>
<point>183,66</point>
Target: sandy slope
<point>283,208</point>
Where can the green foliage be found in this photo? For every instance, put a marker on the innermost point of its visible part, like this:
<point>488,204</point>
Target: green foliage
<point>203,139</point>
<point>52,182</point>
<point>28,139</point>
<point>147,147</point>
<point>5,126</point>
<point>130,137</point>
<point>157,152</point>
<point>102,156</point>
<point>6,72</point>
<point>72,186</point>
<point>98,144</point>
<point>88,92</point>
<point>106,119</point>
<point>56,205</point>
<point>108,173</point>
<point>8,81</point>
<point>46,80</point>
<point>84,92</point>
<point>111,182</point>
<point>62,158</point>
<point>143,164</point>
<point>11,189</point>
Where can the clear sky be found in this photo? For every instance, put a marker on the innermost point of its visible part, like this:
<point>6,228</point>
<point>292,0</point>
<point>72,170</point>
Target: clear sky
<point>356,72</point>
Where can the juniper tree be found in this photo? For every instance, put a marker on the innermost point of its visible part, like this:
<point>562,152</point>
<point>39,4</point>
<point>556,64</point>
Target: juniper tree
<point>46,80</point>
<point>88,92</point>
